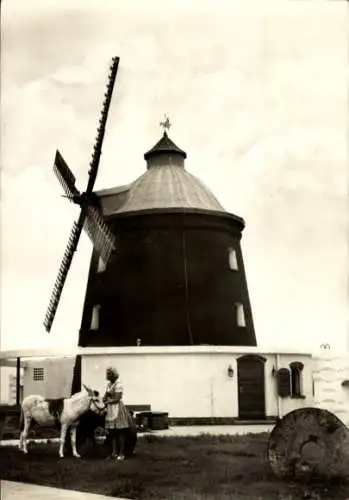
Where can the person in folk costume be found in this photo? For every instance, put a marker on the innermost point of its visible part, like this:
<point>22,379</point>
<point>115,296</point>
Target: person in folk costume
<point>117,417</point>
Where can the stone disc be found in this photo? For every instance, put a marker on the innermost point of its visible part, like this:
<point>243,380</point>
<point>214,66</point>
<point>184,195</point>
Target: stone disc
<point>308,443</point>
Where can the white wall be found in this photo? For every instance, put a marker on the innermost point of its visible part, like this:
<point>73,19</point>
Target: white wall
<point>9,385</point>
<point>5,373</point>
<point>181,384</point>
<point>58,377</point>
<point>5,384</point>
<point>190,381</point>
<point>330,371</point>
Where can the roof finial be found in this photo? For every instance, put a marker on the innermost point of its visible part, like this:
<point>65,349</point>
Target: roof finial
<point>166,124</point>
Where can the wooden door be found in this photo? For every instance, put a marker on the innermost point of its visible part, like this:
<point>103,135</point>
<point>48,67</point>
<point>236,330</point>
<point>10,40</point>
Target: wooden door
<point>251,392</point>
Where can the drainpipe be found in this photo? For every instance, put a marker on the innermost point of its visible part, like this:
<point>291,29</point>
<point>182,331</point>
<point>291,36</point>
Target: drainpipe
<point>211,387</point>
<point>211,399</point>
<point>18,381</point>
<point>278,399</point>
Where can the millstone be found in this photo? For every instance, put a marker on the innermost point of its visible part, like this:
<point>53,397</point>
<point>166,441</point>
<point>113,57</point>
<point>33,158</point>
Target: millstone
<point>309,443</point>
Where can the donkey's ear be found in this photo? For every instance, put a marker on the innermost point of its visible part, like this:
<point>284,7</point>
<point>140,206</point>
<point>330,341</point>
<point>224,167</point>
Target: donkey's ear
<point>96,393</point>
<point>87,389</point>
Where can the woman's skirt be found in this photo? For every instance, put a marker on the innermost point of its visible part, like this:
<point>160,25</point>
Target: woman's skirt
<point>117,417</point>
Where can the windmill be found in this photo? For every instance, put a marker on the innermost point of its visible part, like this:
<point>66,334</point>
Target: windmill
<point>90,218</point>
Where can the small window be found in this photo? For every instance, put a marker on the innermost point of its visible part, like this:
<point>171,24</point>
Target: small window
<point>233,261</point>
<point>101,266</point>
<point>38,374</point>
<point>95,317</point>
<point>296,379</point>
<point>240,315</point>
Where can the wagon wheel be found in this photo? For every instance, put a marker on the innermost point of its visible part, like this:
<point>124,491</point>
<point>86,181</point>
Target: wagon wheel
<point>84,433</point>
<point>99,434</point>
<point>308,443</point>
<point>89,437</point>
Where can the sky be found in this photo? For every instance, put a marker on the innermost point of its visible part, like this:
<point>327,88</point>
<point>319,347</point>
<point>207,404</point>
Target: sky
<point>256,92</point>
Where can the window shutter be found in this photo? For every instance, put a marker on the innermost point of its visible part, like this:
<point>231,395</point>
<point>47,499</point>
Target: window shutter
<point>284,383</point>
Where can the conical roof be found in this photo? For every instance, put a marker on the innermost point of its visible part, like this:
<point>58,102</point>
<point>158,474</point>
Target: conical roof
<point>165,145</point>
<point>169,187</point>
<point>165,185</point>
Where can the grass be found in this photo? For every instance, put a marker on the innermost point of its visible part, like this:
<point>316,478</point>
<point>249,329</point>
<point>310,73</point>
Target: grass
<point>202,467</point>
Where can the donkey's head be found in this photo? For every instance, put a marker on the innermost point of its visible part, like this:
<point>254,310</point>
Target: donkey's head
<point>96,402</point>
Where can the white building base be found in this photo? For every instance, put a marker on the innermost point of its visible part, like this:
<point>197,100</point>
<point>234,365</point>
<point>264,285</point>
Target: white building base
<point>193,382</point>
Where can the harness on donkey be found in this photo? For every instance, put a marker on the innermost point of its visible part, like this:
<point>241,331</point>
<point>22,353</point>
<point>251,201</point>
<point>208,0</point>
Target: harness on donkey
<point>55,408</point>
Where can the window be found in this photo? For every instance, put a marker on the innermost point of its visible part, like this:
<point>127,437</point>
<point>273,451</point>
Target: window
<point>296,379</point>
<point>101,266</point>
<point>95,317</point>
<point>38,374</point>
<point>233,261</point>
<point>240,315</point>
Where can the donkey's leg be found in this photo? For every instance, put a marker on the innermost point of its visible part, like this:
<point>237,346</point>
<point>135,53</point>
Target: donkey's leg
<point>73,441</point>
<point>64,429</point>
<point>21,423</point>
<point>20,445</point>
<point>24,435</point>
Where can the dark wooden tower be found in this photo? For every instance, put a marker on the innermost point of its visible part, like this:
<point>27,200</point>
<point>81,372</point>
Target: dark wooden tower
<point>176,276</point>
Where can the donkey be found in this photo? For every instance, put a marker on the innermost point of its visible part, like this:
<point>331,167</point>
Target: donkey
<point>63,412</point>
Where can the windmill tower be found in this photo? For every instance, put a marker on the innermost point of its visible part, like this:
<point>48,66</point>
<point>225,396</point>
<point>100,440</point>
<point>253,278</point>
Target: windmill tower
<point>177,275</point>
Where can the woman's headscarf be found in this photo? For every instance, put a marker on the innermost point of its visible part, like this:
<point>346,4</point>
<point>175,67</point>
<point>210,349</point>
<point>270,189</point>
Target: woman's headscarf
<point>113,371</point>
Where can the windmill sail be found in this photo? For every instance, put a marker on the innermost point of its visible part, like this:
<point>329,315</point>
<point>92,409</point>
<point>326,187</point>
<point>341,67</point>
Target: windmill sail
<point>97,150</point>
<point>101,236</point>
<point>89,219</point>
<point>65,177</point>
<point>62,275</point>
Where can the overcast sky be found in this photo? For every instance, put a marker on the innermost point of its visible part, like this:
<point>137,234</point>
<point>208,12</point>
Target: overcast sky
<point>257,95</point>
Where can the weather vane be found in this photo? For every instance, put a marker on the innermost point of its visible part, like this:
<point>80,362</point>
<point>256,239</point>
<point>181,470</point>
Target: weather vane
<point>166,124</point>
